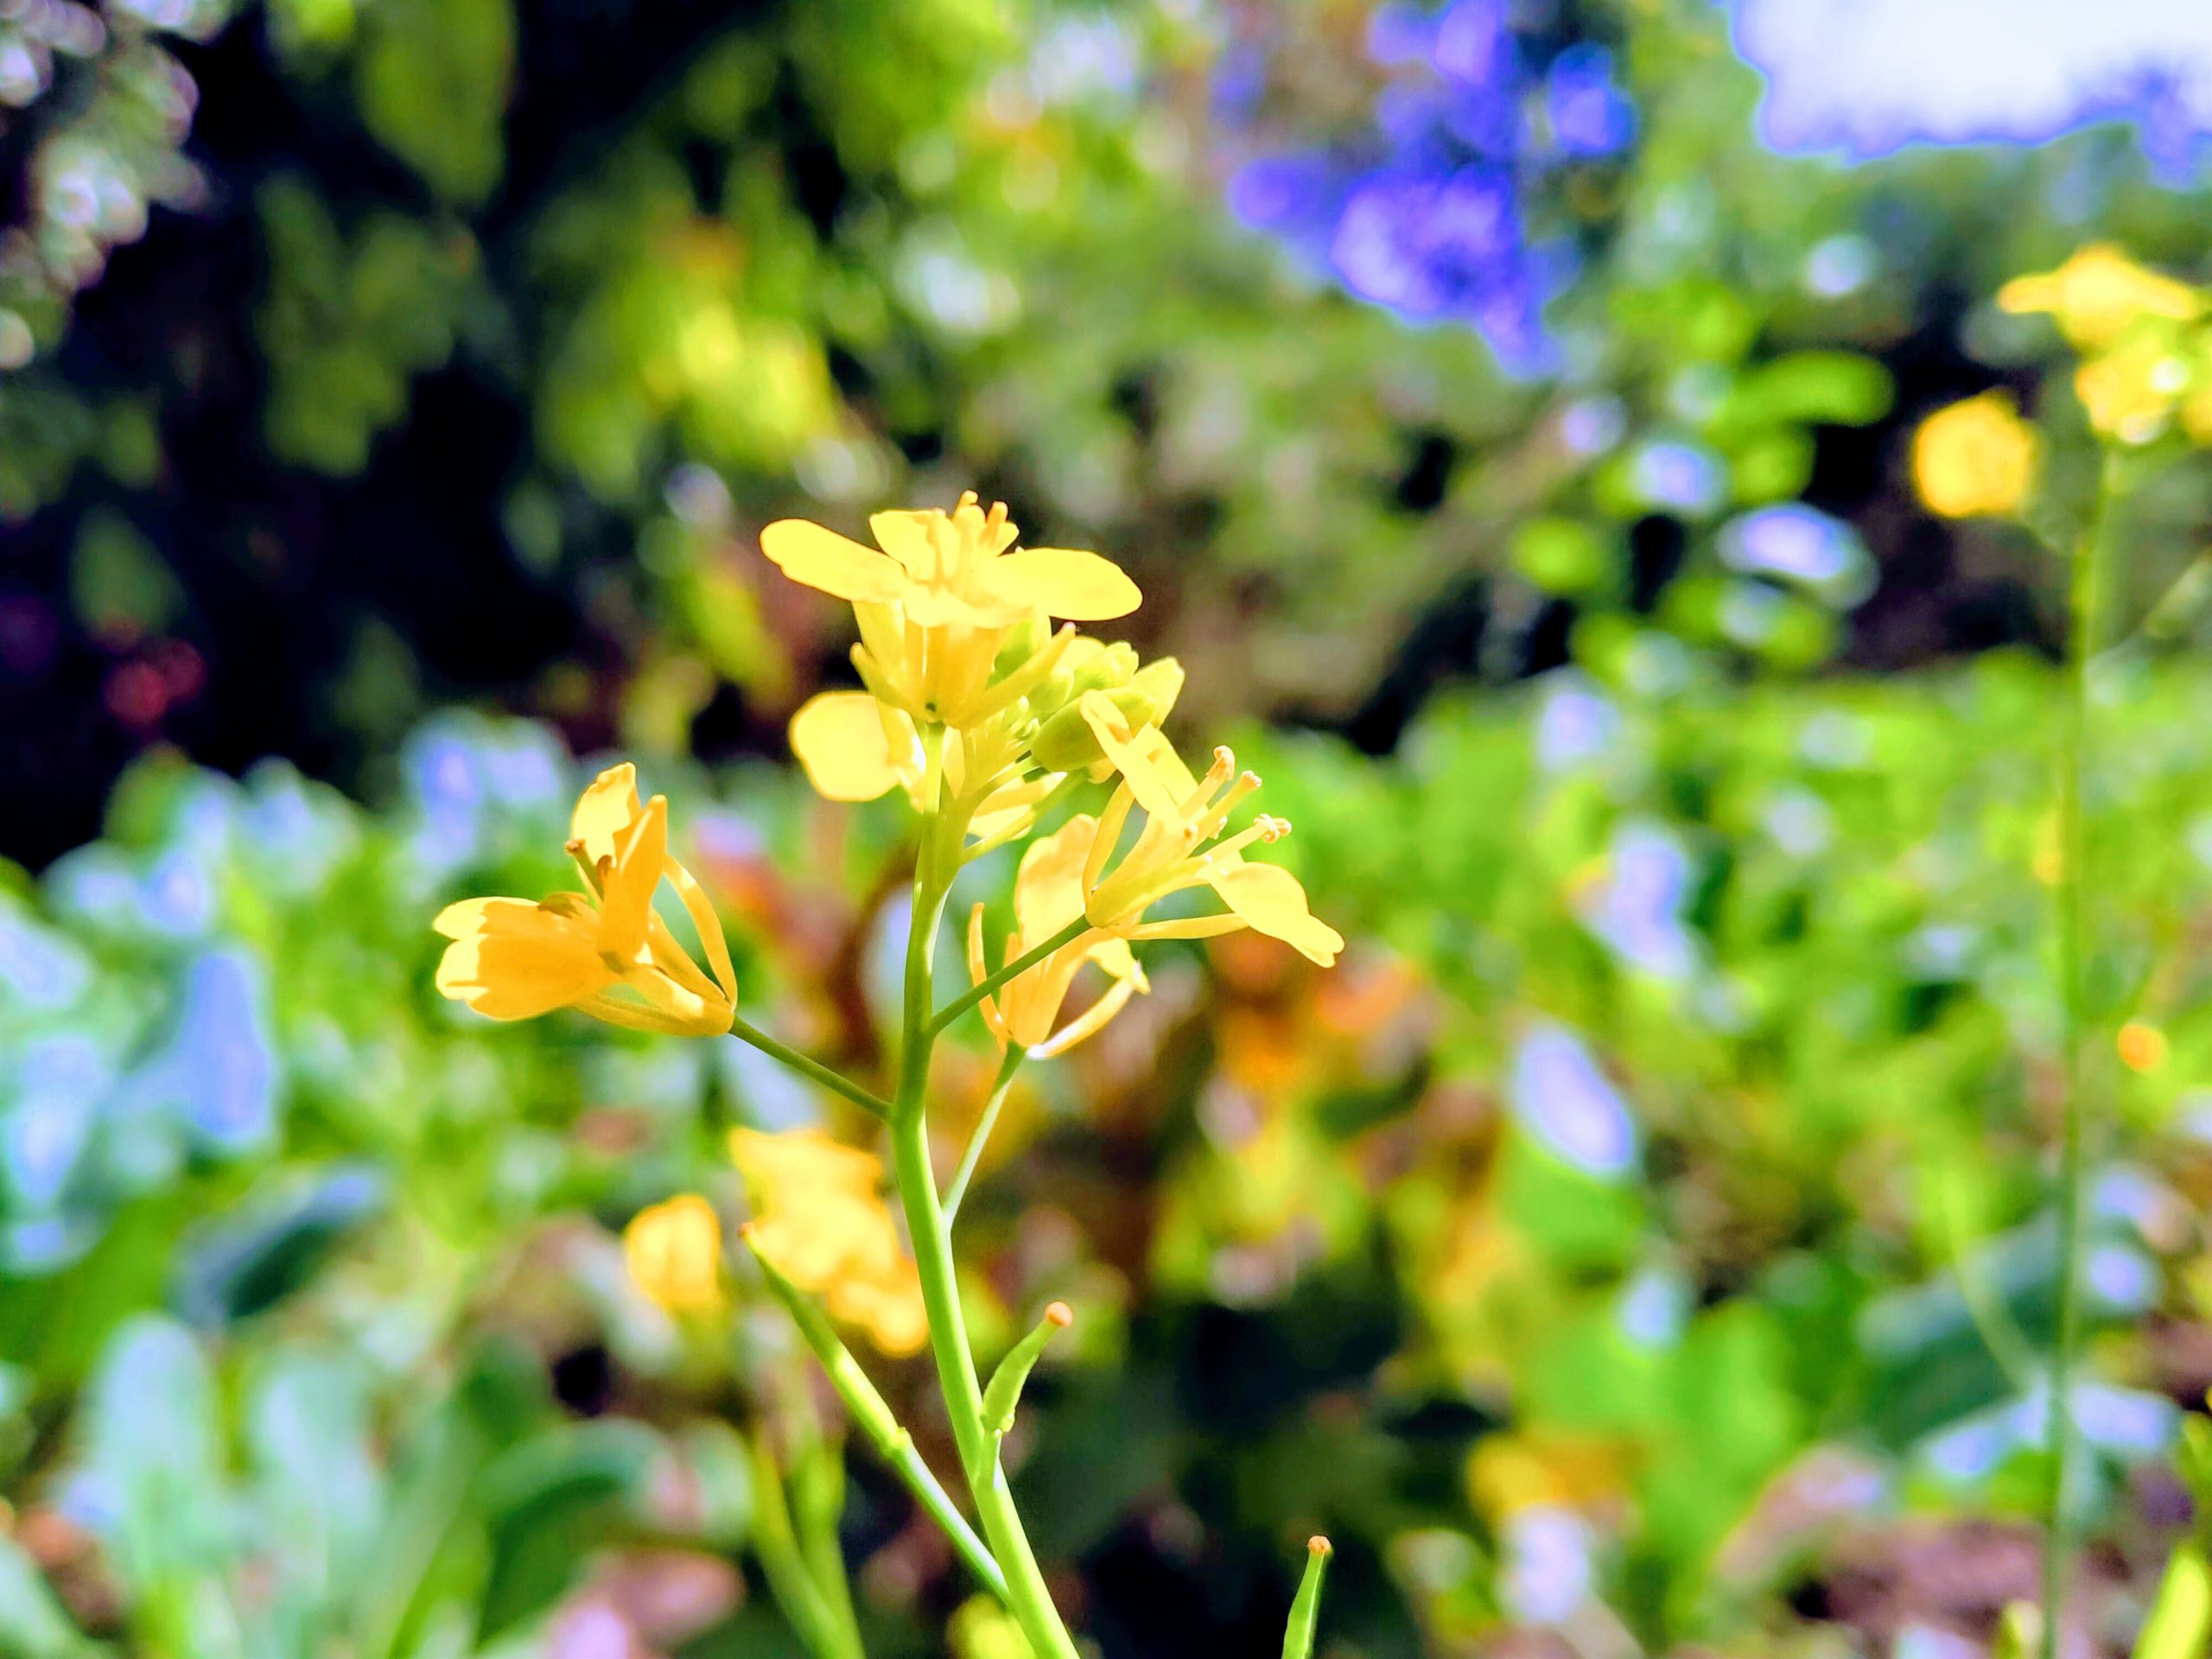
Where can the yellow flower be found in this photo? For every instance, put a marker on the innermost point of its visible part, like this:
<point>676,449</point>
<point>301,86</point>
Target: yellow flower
<point>1975,457</point>
<point>674,1251</point>
<point>2098,293</point>
<point>818,1216</point>
<point>935,604</point>
<point>1176,850</point>
<point>2131,391</point>
<point>1047,896</point>
<point>605,952</point>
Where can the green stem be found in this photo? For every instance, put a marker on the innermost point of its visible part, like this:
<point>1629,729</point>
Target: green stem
<point>1029,1599</point>
<point>874,1414</point>
<point>2084,608</point>
<point>1022,964</point>
<point>984,1125</point>
<point>808,1068</point>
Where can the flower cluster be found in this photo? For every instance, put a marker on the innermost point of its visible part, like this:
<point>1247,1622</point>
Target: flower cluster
<point>2147,353</point>
<point>984,717</point>
<point>2145,372</point>
<point>1423,212</point>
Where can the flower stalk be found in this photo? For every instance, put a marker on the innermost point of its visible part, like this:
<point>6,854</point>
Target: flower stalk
<point>2085,616</point>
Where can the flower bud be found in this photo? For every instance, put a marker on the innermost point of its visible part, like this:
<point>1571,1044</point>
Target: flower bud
<point>1066,743</point>
<point>1160,684</point>
<point>1104,670</point>
<point>1019,644</point>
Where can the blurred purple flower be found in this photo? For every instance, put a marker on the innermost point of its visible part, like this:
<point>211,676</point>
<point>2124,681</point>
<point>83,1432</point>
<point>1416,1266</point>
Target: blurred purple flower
<point>1575,724</point>
<point>1590,115</point>
<point>1677,475</point>
<point>1559,1094</point>
<point>1422,213</point>
<point>1471,48</point>
<point>1800,544</point>
<point>1639,910</point>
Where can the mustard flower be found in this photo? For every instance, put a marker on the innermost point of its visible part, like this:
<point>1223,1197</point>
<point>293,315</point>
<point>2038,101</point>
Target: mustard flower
<point>673,1252</point>
<point>818,1216</point>
<point>604,951</point>
<point>2098,295</point>
<point>1047,896</point>
<point>1975,457</point>
<point>935,604</point>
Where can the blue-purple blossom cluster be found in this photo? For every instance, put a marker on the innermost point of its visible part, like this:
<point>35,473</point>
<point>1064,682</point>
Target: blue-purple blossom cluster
<point>1426,211</point>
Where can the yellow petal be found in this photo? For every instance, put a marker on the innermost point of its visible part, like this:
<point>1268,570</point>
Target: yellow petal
<point>906,536</point>
<point>1114,955</point>
<point>1156,774</point>
<point>852,747</point>
<point>512,960</point>
<point>627,903</point>
<point>605,810</point>
<point>1048,887</point>
<point>1061,582</point>
<point>1268,898</point>
<point>708,926</point>
<point>822,558</point>
<point>1091,1021</point>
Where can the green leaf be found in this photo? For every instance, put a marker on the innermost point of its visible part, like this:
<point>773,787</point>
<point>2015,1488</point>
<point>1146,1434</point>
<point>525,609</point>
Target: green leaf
<point>1562,555</point>
<point>433,81</point>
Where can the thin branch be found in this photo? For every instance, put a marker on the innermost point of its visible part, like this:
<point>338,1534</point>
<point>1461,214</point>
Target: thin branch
<point>1022,964</point>
<point>1014,1055</point>
<point>836,1082</point>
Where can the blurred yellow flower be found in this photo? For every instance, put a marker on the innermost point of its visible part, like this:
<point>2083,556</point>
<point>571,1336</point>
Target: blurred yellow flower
<point>935,604</point>
<point>674,1252</point>
<point>605,952</point>
<point>1047,896</point>
<point>1975,457</point>
<point>2142,1046</point>
<point>818,1216</point>
<point>2098,293</point>
<point>2131,391</point>
<point>1182,814</point>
